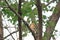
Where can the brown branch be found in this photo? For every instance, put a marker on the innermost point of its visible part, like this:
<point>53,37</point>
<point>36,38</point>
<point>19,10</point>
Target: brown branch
<point>8,31</point>
<point>10,34</point>
<point>20,18</point>
<point>1,27</point>
<point>54,18</point>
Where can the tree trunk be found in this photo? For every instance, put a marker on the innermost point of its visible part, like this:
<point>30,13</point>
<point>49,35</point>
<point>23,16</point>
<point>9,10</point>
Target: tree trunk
<point>1,27</point>
<point>19,20</point>
<point>39,8</point>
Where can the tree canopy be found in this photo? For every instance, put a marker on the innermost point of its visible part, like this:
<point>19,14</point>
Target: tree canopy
<point>33,12</point>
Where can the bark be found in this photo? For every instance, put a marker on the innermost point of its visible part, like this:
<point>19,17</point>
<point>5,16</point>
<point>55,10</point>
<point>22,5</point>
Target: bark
<point>1,27</point>
<point>19,20</point>
<point>39,8</point>
<point>54,18</point>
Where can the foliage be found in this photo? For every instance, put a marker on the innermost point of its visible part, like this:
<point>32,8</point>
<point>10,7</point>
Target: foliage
<point>27,10</point>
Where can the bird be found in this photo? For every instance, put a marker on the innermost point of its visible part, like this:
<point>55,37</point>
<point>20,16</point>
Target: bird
<point>32,27</point>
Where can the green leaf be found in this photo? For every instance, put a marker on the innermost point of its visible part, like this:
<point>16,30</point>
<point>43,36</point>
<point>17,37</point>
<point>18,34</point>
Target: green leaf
<point>55,10</point>
<point>25,34</point>
<point>47,0</point>
<point>14,6</point>
<point>56,30</point>
<point>43,5</point>
<point>8,12</point>
<point>14,19</point>
<point>50,23</point>
<point>44,17</point>
<point>2,3</point>
<point>52,35</point>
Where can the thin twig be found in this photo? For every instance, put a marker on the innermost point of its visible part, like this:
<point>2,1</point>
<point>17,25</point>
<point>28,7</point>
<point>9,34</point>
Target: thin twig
<point>10,34</point>
<point>50,2</point>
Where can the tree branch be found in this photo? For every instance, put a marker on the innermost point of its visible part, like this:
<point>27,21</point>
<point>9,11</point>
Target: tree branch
<point>10,34</point>
<point>54,19</point>
<point>8,30</point>
<point>20,18</point>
